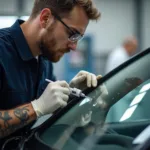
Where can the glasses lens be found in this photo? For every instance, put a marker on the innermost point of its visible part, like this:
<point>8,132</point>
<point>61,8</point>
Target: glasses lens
<point>75,37</point>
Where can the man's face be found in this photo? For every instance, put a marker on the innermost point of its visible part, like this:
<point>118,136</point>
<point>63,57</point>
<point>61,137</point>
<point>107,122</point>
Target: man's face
<point>54,41</point>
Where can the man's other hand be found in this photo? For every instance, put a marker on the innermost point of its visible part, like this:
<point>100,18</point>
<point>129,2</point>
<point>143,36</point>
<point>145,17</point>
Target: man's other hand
<point>84,79</point>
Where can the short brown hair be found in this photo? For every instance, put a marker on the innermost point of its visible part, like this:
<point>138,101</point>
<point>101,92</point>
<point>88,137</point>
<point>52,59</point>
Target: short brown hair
<point>63,7</point>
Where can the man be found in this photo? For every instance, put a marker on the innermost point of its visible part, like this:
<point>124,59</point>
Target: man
<point>122,53</point>
<point>53,29</point>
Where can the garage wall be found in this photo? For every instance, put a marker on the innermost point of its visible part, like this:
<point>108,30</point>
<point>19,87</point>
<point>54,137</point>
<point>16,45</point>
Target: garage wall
<point>7,7</point>
<point>116,23</point>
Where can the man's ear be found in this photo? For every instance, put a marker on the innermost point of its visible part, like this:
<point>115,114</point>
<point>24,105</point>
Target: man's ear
<point>46,18</point>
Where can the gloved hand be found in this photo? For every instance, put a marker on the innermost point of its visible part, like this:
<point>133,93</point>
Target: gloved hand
<point>55,95</point>
<point>83,80</point>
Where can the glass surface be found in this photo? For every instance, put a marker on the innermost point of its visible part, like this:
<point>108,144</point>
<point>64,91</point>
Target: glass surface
<point>121,98</point>
<point>132,107</point>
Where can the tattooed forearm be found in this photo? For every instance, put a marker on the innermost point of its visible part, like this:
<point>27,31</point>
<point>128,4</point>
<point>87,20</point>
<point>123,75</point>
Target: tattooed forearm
<point>22,115</point>
<point>12,120</point>
<point>6,118</point>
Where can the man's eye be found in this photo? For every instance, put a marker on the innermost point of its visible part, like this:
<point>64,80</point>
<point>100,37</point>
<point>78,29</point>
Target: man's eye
<point>69,33</point>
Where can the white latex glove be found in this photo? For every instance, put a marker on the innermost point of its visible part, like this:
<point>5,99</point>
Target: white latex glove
<point>55,95</point>
<point>83,80</point>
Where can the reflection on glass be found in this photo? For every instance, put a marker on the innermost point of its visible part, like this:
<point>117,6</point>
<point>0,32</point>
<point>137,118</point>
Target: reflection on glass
<point>80,123</point>
<point>145,88</point>
<point>138,99</point>
<point>128,113</point>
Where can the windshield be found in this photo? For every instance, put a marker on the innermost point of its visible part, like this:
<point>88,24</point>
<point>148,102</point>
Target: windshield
<point>129,87</point>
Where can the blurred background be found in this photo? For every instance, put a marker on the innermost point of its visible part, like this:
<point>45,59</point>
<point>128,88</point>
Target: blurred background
<point>120,19</point>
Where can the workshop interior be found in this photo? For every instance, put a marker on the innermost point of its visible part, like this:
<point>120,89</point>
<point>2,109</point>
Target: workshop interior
<point>121,22</point>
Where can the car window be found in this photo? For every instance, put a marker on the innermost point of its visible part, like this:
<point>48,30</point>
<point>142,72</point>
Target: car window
<point>132,107</point>
<point>129,87</point>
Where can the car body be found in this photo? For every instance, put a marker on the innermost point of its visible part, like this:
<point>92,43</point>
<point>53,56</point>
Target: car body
<point>110,117</point>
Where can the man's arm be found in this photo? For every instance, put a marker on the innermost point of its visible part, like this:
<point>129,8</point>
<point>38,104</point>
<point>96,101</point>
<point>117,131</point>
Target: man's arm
<point>55,96</point>
<point>12,120</point>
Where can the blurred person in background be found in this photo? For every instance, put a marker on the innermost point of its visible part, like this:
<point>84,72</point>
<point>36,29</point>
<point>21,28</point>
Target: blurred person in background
<point>121,53</point>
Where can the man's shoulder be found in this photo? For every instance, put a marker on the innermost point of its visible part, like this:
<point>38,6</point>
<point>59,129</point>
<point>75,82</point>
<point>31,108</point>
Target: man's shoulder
<point>5,32</point>
<point>5,36</point>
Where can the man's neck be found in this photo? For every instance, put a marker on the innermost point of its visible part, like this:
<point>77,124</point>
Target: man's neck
<point>30,33</point>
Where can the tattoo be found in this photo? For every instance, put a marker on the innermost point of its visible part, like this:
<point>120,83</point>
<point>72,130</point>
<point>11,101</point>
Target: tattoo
<point>6,118</point>
<point>22,114</point>
<point>8,128</point>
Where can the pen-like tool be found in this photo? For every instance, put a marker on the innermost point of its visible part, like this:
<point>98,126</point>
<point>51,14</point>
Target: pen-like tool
<point>74,91</point>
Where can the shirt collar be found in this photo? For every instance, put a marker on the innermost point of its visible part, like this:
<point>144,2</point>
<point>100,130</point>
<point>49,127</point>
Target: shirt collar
<point>20,41</point>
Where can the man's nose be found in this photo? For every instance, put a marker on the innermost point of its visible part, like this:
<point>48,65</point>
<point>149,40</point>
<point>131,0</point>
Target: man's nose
<point>72,46</point>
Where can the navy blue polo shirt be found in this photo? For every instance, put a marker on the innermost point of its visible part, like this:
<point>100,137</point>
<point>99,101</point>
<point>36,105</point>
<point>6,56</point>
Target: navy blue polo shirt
<point>22,77</point>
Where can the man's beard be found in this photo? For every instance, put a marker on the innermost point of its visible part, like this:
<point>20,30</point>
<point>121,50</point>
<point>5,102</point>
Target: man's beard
<point>46,51</point>
<point>50,51</point>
